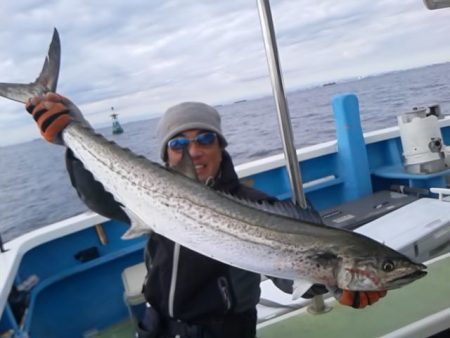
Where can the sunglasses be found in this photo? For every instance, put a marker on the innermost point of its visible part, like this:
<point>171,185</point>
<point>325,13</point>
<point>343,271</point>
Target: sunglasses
<point>203,139</point>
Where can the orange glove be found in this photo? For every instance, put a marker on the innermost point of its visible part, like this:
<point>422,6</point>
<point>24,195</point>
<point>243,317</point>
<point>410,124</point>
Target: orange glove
<point>358,299</point>
<point>51,114</point>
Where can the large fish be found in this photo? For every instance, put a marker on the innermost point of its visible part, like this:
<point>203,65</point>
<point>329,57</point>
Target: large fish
<point>277,239</point>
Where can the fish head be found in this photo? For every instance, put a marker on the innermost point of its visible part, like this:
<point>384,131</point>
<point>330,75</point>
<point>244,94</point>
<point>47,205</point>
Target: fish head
<point>378,272</point>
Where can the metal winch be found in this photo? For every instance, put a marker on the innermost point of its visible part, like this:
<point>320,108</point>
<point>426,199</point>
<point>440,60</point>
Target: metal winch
<point>424,151</point>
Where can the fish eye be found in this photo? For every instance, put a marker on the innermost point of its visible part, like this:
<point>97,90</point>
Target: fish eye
<point>388,266</point>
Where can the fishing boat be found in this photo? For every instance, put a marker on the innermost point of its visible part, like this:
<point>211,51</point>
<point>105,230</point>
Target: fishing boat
<point>78,278</point>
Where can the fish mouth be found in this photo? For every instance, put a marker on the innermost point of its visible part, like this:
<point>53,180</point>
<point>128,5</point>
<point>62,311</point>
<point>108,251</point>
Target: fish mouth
<point>406,279</point>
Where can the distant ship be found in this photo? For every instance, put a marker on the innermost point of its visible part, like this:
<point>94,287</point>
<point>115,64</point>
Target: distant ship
<point>116,127</point>
<point>329,84</point>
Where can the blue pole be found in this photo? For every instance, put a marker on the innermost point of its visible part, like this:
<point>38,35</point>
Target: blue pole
<point>352,154</point>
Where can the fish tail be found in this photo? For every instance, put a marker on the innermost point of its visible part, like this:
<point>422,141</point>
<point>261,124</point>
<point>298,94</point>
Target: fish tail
<point>46,81</point>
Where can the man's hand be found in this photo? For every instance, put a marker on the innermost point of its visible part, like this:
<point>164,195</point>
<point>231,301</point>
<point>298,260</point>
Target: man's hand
<point>53,113</point>
<point>358,299</point>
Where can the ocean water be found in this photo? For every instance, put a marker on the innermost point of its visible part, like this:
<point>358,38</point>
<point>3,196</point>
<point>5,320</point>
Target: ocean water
<point>35,189</point>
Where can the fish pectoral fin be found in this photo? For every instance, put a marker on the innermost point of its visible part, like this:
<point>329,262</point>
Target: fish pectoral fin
<point>300,286</point>
<point>137,227</point>
<point>186,166</point>
<point>135,230</point>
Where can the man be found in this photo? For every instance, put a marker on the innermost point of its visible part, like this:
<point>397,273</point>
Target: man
<point>190,295</point>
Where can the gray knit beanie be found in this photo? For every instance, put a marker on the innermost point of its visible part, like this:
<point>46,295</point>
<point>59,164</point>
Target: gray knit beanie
<point>185,116</point>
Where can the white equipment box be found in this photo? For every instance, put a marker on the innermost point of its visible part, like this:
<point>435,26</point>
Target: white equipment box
<point>420,230</point>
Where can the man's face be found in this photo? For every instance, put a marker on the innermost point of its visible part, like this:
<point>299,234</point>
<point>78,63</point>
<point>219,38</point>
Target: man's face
<point>206,158</point>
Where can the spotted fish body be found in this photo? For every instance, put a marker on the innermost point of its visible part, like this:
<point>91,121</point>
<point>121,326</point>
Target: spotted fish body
<point>240,233</point>
<point>278,240</point>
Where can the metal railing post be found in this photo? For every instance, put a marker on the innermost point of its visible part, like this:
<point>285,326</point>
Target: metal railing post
<point>284,121</point>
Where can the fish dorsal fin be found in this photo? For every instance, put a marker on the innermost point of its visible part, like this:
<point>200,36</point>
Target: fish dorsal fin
<point>281,208</point>
<point>186,166</point>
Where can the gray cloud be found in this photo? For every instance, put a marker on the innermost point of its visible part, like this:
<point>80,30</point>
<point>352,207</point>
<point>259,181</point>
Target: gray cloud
<point>142,56</point>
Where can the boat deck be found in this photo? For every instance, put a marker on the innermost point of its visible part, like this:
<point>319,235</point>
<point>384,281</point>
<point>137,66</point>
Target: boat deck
<point>426,298</point>
<point>422,299</point>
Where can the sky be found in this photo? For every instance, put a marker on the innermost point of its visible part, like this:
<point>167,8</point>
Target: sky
<point>142,56</point>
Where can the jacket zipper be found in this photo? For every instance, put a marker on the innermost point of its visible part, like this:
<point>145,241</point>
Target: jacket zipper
<point>173,281</point>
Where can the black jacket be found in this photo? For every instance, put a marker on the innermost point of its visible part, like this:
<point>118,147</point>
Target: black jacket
<point>181,283</point>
